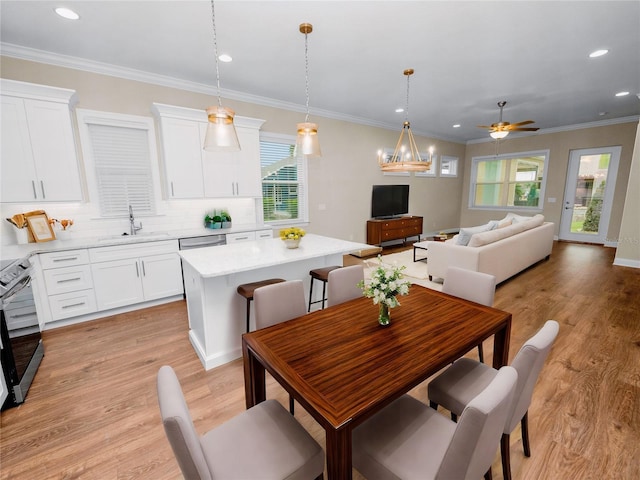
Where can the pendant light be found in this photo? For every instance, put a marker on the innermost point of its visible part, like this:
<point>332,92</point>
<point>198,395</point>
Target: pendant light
<point>221,133</point>
<point>307,142</point>
<point>406,157</point>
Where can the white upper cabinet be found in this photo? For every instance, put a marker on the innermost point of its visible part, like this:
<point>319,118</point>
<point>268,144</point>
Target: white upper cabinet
<point>190,172</point>
<point>38,162</point>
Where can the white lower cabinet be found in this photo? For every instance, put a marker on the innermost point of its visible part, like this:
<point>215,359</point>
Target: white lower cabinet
<point>67,279</point>
<point>125,275</point>
<point>248,236</point>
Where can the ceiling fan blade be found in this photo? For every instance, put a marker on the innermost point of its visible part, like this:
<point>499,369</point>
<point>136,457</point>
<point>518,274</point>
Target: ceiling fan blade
<point>485,126</point>
<point>526,122</point>
<point>526,129</point>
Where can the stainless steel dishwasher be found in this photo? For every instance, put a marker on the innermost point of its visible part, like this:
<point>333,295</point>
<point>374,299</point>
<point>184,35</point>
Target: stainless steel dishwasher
<point>201,242</point>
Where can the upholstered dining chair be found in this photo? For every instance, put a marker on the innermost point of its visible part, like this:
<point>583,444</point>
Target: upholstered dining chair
<point>262,442</point>
<point>473,286</point>
<point>342,284</point>
<point>408,439</point>
<point>277,303</point>
<point>461,382</point>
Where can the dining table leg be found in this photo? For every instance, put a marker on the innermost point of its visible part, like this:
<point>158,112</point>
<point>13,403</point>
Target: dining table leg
<point>501,345</point>
<point>255,389</point>
<point>338,449</point>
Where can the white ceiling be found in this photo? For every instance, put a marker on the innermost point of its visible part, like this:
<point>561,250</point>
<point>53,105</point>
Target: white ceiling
<point>467,55</point>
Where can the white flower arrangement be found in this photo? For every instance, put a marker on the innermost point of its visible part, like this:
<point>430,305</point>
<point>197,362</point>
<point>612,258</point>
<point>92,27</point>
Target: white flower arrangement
<point>386,284</point>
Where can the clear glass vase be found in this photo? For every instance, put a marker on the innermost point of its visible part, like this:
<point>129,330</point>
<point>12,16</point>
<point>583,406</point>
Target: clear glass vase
<point>384,315</point>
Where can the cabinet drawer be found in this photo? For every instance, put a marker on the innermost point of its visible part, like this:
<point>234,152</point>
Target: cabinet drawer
<point>68,279</point>
<point>240,237</point>
<point>119,252</point>
<point>260,234</point>
<point>64,259</point>
<point>72,304</point>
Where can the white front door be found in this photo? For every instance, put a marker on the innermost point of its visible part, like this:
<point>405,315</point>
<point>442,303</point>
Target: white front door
<point>588,194</point>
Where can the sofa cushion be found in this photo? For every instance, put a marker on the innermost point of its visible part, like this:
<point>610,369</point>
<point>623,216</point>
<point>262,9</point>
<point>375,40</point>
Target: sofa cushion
<point>466,233</point>
<point>487,237</point>
<point>515,218</point>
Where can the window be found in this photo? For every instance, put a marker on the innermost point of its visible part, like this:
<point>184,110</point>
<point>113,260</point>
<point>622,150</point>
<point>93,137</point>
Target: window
<point>284,180</point>
<point>119,151</point>
<point>448,166</point>
<point>515,181</point>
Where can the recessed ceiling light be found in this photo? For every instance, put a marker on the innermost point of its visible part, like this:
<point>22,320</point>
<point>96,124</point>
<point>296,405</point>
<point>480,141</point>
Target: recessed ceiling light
<point>399,110</point>
<point>598,53</point>
<point>457,125</point>
<point>622,94</point>
<point>67,13</point>
<point>225,58</point>
<point>602,114</point>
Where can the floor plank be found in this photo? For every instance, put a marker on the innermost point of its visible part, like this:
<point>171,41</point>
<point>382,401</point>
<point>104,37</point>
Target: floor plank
<point>92,410</point>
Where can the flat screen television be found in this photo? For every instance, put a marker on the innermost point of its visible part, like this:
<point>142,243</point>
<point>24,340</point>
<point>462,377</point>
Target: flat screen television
<point>389,201</point>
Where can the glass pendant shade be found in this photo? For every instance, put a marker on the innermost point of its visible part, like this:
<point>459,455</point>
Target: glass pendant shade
<point>307,142</point>
<point>221,134</point>
<point>499,134</point>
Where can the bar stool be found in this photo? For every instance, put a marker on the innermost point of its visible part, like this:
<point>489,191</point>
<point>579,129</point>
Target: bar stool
<point>247,289</point>
<point>321,274</point>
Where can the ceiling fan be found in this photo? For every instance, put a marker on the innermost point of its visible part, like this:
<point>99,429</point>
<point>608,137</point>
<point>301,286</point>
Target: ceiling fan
<point>501,129</point>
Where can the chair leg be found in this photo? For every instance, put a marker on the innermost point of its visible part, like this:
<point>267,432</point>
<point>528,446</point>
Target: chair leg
<point>324,291</point>
<point>433,404</point>
<point>504,453</point>
<point>320,477</point>
<point>488,475</point>
<point>291,405</point>
<point>480,353</point>
<point>454,417</point>
<point>248,312</point>
<point>310,294</point>
<point>524,424</point>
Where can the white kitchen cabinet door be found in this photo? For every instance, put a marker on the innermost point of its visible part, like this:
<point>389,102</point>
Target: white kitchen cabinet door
<point>117,283</point>
<point>43,168</point>
<point>235,174</point>
<point>161,276</point>
<point>18,169</point>
<point>182,146</point>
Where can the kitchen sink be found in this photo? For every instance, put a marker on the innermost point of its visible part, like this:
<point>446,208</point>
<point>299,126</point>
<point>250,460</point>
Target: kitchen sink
<point>132,238</point>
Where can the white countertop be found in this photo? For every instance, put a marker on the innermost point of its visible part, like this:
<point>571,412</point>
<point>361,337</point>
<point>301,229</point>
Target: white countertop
<point>238,257</point>
<point>70,243</point>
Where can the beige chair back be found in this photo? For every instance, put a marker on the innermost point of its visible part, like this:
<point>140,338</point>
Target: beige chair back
<point>179,428</point>
<point>342,284</point>
<point>473,286</point>
<point>477,435</point>
<point>278,303</point>
<point>529,362</point>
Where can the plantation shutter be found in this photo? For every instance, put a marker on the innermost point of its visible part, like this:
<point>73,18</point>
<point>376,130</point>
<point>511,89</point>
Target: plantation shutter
<point>123,169</point>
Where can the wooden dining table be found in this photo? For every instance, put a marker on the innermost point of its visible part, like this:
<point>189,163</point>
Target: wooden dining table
<point>343,367</point>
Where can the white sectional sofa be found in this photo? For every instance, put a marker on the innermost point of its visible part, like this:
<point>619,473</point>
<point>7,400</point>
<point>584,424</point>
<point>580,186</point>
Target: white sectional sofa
<point>501,252</point>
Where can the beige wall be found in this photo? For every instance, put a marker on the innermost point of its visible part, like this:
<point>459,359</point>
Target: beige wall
<point>559,145</point>
<point>339,182</point>
<point>628,252</point>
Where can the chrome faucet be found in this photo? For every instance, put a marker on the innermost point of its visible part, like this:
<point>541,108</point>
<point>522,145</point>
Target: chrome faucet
<point>132,221</point>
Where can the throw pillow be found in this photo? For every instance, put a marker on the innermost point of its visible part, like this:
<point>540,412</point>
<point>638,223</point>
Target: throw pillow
<point>465,233</point>
<point>515,218</point>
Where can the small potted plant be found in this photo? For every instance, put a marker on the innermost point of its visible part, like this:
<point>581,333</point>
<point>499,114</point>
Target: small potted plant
<point>213,220</point>
<point>291,236</point>
<point>226,219</point>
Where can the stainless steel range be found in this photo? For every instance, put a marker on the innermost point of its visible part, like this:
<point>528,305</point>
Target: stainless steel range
<point>21,341</point>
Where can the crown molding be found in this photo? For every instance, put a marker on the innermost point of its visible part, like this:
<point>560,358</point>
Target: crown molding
<point>565,128</point>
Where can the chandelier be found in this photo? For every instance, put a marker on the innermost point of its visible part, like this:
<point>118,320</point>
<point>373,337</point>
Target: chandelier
<point>221,133</point>
<point>307,141</point>
<point>405,157</point>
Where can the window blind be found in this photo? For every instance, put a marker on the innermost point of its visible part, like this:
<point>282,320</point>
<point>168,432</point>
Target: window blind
<point>123,169</point>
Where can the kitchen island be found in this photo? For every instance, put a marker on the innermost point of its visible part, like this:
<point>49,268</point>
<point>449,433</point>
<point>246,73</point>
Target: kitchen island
<point>211,276</point>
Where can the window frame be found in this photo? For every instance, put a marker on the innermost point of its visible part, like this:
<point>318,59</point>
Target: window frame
<point>95,117</point>
<point>302,181</point>
<point>475,162</point>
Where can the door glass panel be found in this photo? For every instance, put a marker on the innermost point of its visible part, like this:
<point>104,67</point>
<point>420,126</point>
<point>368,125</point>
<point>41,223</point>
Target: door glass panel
<point>589,193</point>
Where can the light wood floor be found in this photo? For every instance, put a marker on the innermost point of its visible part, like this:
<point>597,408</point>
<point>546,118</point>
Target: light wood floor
<point>92,411</point>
